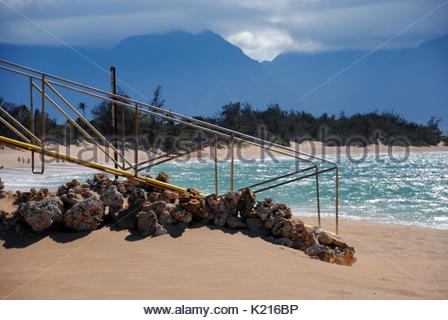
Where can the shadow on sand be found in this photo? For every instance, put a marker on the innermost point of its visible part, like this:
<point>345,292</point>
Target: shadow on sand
<point>13,240</point>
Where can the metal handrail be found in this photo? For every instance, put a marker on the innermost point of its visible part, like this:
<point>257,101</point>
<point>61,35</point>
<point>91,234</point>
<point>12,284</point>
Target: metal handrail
<point>91,127</point>
<point>195,126</point>
<point>232,136</point>
<point>168,112</point>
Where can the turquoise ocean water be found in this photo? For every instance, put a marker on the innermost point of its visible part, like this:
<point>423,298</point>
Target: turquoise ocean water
<point>411,193</point>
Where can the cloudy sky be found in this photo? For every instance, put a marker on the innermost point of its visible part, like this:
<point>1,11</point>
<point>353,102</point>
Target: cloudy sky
<point>262,28</point>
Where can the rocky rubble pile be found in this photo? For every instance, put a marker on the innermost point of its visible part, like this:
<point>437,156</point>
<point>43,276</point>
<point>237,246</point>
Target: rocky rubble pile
<point>22,197</point>
<point>151,211</point>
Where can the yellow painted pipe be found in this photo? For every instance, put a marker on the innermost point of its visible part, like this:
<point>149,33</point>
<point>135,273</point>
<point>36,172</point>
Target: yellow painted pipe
<point>93,165</point>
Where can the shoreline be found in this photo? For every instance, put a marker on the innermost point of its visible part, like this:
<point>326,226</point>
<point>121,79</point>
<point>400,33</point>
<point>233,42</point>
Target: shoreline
<point>9,156</point>
<point>195,159</point>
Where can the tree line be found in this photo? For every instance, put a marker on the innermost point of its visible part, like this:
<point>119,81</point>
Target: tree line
<point>287,125</point>
<point>273,123</point>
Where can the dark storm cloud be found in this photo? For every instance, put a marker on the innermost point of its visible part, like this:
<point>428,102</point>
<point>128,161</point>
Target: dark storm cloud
<point>261,28</point>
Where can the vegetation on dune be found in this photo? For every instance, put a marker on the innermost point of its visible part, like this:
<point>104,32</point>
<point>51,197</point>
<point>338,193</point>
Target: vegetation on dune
<point>285,126</point>
<point>272,123</point>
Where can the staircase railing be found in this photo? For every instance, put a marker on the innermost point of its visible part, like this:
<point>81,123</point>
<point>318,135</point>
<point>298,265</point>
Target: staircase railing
<point>46,84</point>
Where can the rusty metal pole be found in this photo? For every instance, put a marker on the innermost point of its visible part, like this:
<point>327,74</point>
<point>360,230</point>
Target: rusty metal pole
<point>318,200</point>
<point>337,200</point>
<point>123,149</point>
<point>32,119</point>
<point>42,118</point>
<point>113,88</point>
<point>42,138</point>
<point>232,164</point>
<point>215,158</point>
<point>31,106</point>
<point>136,139</point>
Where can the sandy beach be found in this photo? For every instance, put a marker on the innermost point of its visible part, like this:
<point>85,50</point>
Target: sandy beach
<point>394,262</point>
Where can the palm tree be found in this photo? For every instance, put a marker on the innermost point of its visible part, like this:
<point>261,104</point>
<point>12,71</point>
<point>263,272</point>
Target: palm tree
<point>82,106</point>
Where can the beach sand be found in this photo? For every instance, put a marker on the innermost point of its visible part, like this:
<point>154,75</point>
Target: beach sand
<point>394,262</point>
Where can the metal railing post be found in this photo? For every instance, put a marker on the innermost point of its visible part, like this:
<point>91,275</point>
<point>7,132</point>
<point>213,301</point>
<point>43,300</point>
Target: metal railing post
<point>337,200</point>
<point>31,106</point>
<point>318,200</point>
<point>32,119</point>
<point>42,124</point>
<point>42,137</point>
<point>136,128</point>
<point>215,156</point>
<point>232,162</point>
<point>123,132</point>
<point>113,87</point>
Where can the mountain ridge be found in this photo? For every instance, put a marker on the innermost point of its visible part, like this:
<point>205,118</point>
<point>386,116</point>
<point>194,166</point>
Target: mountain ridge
<point>201,72</point>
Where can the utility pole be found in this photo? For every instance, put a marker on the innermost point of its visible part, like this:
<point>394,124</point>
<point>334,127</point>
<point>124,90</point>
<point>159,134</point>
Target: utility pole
<point>113,88</point>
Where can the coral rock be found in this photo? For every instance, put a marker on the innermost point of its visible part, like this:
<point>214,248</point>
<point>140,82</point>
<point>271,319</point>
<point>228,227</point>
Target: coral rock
<point>183,216</point>
<point>84,215</point>
<point>70,198</point>
<point>322,252</point>
<point>158,207</point>
<point>126,220</point>
<point>246,202</point>
<point>74,183</point>
<point>154,196</point>
<point>324,238</point>
<point>101,178</point>
<point>170,195</point>
<point>347,257</point>
<point>162,176</point>
<point>22,197</point>
<point>166,218</point>
<point>195,206</point>
<point>211,205</point>
<point>87,193</point>
<point>193,191</point>
<point>113,199</point>
<point>230,202</point>
<point>272,212</point>
<point>147,224</point>
<point>137,199</point>
<point>220,216</point>
<point>284,228</point>
<point>40,215</point>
